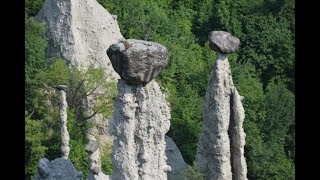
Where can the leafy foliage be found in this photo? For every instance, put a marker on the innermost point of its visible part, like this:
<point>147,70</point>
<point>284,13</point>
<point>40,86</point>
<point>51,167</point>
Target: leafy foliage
<point>33,6</point>
<point>263,70</point>
<point>193,172</point>
<point>106,163</point>
<point>42,120</point>
<point>34,148</point>
<point>78,140</point>
<point>35,44</point>
<point>266,53</point>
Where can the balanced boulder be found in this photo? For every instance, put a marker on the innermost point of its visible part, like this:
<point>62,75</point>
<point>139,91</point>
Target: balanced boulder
<point>223,42</point>
<point>137,61</point>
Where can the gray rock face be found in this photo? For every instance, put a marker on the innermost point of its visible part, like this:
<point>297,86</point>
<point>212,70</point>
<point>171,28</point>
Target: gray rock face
<point>137,61</point>
<point>65,138</point>
<point>92,146</point>
<point>237,137</point>
<point>175,160</point>
<point>44,167</point>
<point>99,176</point>
<point>142,118</point>
<point>220,151</point>
<point>56,170</point>
<point>213,153</point>
<point>80,32</point>
<point>95,162</point>
<point>223,42</point>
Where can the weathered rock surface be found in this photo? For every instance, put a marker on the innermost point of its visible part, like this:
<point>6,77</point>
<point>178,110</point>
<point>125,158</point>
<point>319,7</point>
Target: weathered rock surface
<point>137,61</point>
<point>95,162</point>
<point>80,32</point>
<point>142,118</point>
<point>223,42</point>
<point>237,137</point>
<point>220,151</point>
<point>56,170</point>
<point>213,154</point>
<point>99,176</point>
<point>65,138</point>
<point>44,167</point>
<point>92,146</point>
<point>175,160</point>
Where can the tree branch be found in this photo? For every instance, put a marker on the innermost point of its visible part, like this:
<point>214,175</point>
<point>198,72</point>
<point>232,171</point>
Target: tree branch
<point>77,89</point>
<point>94,113</point>
<point>86,95</point>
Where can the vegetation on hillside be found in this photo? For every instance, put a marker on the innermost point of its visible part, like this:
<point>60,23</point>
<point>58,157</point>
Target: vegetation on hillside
<point>263,70</point>
<point>42,123</point>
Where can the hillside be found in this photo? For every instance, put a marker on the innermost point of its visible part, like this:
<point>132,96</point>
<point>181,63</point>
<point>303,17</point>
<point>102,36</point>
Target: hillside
<point>263,71</point>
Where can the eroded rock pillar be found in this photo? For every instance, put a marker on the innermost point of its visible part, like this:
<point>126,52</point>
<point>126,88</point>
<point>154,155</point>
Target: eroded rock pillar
<point>141,115</point>
<point>220,148</point>
<point>65,138</point>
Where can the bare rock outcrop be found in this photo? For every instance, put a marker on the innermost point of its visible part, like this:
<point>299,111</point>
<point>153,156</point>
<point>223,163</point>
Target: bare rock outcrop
<point>237,137</point>
<point>57,169</point>
<point>137,61</point>
<point>80,32</point>
<point>174,160</point>
<point>223,42</point>
<point>141,120</point>
<point>63,105</point>
<point>220,149</point>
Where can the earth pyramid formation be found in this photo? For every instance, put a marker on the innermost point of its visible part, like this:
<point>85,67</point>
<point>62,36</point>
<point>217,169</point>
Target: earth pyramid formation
<point>220,151</point>
<point>141,115</point>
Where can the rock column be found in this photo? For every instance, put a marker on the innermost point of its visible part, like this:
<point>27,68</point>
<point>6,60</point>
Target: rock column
<point>65,138</point>
<point>141,115</point>
<point>237,138</point>
<point>220,148</point>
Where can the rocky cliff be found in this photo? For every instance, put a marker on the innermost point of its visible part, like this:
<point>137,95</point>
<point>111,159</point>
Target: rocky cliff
<point>220,152</point>
<point>80,32</point>
<point>141,116</point>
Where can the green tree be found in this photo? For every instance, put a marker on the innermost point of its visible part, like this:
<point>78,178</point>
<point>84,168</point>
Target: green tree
<point>38,120</point>
<point>263,70</point>
<point>193,172</point>
<point>251,88</point>
<point>35,44</point>
<point>280,117</point>
<point>32,7</point>
<point>78,155</point>
<point>34,147</point>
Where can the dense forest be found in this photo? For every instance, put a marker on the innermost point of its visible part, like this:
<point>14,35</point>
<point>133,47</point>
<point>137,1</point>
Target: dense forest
<point>263,70</point>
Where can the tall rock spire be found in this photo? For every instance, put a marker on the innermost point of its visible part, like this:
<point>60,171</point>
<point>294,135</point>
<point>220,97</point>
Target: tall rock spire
<point>65,138</point>
<point>220,149</point>
<point>141,116</point>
